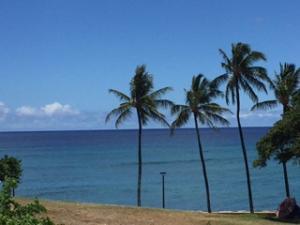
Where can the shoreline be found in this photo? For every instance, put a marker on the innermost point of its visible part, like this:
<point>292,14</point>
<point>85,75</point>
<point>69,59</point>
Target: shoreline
<point>25,199</point>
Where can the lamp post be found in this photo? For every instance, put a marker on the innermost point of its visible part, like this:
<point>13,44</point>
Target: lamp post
<point>163,188</point>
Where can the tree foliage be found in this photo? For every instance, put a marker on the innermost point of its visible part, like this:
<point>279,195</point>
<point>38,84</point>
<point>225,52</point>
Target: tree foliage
<point>242,73</point>
<point>198,102</point>
<point>282,142</point>
<point>10,167</point>
<point>12,213</point>
<point>142,98</point>
<point>285,87</point>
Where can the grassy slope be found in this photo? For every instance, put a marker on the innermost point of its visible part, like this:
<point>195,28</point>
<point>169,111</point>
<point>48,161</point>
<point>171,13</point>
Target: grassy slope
<point>89,214</point>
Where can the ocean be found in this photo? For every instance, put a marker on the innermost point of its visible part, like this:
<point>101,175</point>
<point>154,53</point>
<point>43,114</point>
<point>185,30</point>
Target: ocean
<point>101,167</point>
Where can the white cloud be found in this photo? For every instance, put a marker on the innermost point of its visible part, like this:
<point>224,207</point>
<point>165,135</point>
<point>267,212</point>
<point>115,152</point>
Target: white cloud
<point>259,114</point>
<point>255,114</point>
<point>58,109</point>
<point>26,111</point>
<point>4,110</point>
<point>49,110</point>
<point>246,115</point>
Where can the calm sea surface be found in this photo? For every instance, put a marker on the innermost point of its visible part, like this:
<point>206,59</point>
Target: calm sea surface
<point>100,167</point>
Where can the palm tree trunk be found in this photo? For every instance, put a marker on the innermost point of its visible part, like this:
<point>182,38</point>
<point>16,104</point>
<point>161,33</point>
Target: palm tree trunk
<point>286,180</point>
<point>244,149</point>
<point>203,165</point>
<point>285,174</point>
<point>139,181</point>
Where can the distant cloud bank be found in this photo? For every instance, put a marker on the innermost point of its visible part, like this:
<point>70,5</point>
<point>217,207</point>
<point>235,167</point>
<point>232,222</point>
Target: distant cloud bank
<point>59,116</point>
<point>53,109</point>
<point>52,116</point>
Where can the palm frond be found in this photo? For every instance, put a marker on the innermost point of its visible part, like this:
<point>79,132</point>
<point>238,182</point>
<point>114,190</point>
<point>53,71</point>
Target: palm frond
<point>178,108</point>
<point>157,116</point>
<point>219,80</point>
<point>117,111</point>
<point>254,56</point>
<point>144,116</point>
<point>261,73</point>
<point>216,118</point>
<point>182,118</point>
<point>120,95</point>
<point>286,83</point>
<point>255,83</point>
<point>164,103</point>
<point>143,98</point>
<point>230,91</point>
<point>196,81</point>
<point>204,119</point>
<point>243,72</point>
<point>122,117</point>
<point>244,48</point>
<point>249,91</point>
<point>214,93</point>
<point>142,83</point>
<point>199,117</point>
<point>265,105</point>
<point>158,93</point>
<point>297,74</point>
<point>227,62</point>
<point>213,108</point>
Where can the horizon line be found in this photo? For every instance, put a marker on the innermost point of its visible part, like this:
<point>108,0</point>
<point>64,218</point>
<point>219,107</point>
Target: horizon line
<point>123,129</point>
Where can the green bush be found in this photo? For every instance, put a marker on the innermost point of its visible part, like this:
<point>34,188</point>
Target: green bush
<point>10,167</point>
<point>12,213</point>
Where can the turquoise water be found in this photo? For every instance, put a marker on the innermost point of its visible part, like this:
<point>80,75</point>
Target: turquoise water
<point>100,167</point>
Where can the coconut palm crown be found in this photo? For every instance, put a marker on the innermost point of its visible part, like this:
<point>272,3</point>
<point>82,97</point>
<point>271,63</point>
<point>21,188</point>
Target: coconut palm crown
<point>285,85</point>
<point>242,74</point>
<point>142,98</point>
<point>199,104</point>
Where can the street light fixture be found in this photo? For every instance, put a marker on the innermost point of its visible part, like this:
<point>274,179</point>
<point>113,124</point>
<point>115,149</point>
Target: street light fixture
<point>163,188</point>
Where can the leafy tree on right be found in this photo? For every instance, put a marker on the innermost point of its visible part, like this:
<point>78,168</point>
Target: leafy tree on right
<point>285,86</point>
<point>282,142</point>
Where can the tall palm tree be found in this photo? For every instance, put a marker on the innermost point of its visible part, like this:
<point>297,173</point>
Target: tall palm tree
<point>145,102</point>
<point>285,85</point>
<point>242,74</point>
<point>199,104</point>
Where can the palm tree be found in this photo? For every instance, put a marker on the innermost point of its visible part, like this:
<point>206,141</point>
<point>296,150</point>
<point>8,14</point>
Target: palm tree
<point>242,74</point>
<point>285,86</point>
<point>199,104</point>
<point>145,102</point>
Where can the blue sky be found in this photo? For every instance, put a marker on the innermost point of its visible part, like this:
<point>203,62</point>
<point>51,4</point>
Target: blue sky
<point>59,58</point>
